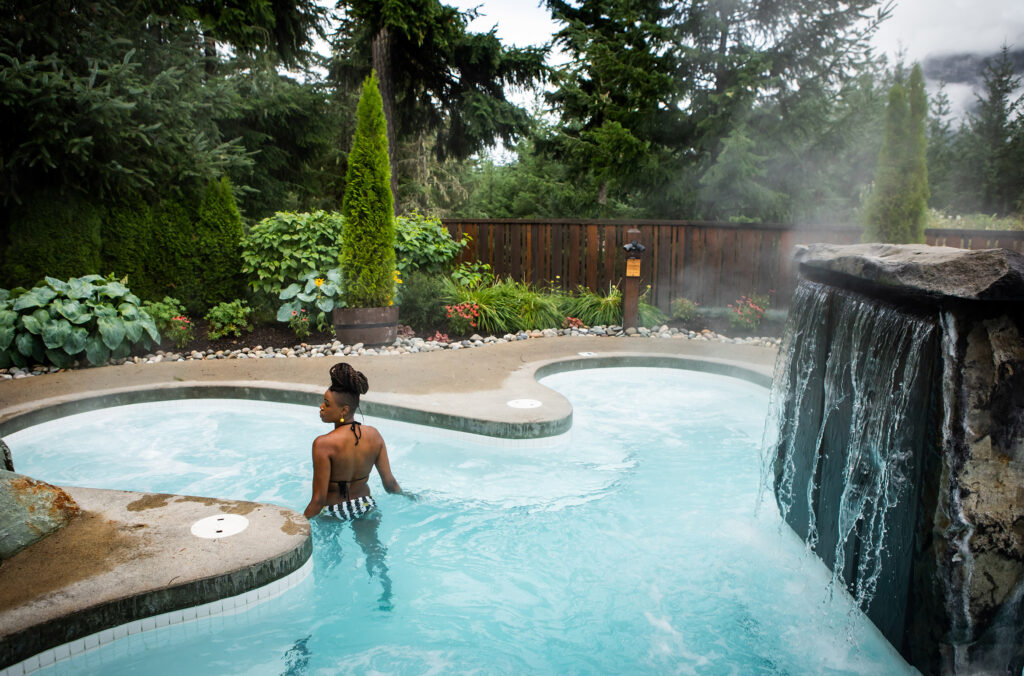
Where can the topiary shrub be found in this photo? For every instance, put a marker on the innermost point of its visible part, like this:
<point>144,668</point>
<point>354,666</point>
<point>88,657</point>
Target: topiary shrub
<point>171,267</point>
<point>128,246</point>
<point>367,254</point>
<point>52,234</point>
<point>58,321</point>
<point>215,246</point>
<point>288,245</point>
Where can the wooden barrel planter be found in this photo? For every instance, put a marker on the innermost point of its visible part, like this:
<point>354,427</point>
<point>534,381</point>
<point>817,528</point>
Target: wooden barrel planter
<point>370,326</point>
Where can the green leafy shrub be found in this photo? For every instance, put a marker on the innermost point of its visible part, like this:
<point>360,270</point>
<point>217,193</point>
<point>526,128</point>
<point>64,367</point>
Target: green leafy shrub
<point>425,245</point>
<point>421,304</point>
<point>595,309</point>
<point>472,274</point>
<point>313,293</point>
<point>287,246</point>
<point>55,235</point>
<point>163,312</point>
<point>368,240</point>
<point>228,318</point>
<point>684,309</point>
<point>58,321</point>
<point>747,312</point>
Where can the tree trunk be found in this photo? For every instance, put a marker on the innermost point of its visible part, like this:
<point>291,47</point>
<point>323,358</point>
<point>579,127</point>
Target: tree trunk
<point>209,56</point>
<point>381,47</point>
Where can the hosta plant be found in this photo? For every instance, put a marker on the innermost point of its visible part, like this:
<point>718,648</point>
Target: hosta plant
<point>317,294</point>
<point>60,321</point>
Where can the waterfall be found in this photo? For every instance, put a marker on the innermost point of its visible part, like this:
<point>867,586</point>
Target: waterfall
<point>894,444</point>
<point>848,433</point>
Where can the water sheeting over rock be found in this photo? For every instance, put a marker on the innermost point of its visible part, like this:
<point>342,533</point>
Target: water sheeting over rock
<point>895,443</point>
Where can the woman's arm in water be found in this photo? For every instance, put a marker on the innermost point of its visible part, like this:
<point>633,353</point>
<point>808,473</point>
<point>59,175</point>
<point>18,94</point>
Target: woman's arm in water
<point>384,470</point>
<point>321,477</point>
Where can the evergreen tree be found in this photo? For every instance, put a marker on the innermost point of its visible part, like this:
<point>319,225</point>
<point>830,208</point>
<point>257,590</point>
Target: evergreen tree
<point>619,99</point>
<point>733,188</point>
<point>368,239</point>
<point>435,76</point>
<point>997,133</point>
<point>897,208</point>
<point>654,89</point>
<point>941,157</point>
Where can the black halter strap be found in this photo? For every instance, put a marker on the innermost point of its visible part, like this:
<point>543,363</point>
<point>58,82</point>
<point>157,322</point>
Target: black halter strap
<point>357,431</point>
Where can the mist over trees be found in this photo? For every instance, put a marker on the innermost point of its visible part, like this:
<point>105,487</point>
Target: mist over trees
<point>897,206</point>
<point>731,110</point>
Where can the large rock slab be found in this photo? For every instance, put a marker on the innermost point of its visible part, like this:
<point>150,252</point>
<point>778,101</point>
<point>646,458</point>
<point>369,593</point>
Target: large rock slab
<point>29,511</point>
<point>918,270</point>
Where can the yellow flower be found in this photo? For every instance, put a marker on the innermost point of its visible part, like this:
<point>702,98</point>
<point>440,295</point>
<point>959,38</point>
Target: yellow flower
<point>319,281</point>
<point>398,277</point>
<point>391,302</point>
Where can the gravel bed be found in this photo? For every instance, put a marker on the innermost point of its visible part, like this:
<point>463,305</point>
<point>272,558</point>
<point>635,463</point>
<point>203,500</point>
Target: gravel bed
<point>402,346</point>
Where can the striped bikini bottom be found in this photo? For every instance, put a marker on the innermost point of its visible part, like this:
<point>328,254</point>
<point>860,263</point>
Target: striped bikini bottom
<point>350,509</point>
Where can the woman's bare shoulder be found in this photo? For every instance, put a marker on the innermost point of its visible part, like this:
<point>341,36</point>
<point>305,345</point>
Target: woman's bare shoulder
<point>327,439</point>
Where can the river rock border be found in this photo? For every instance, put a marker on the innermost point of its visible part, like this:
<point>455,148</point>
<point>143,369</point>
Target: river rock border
<point>403,345</point>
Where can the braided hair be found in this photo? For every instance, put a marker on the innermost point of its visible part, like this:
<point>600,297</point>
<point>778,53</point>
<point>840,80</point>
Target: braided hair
<point>348,383</point>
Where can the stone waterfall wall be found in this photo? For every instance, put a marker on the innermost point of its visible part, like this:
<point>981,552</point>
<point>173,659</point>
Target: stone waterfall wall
<point>899,443</point>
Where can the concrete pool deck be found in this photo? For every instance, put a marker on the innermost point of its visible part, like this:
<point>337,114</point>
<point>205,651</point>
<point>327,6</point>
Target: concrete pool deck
<point>467,390</point>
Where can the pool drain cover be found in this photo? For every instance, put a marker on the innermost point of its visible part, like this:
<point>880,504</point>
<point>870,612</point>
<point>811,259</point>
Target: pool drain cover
<point>524,403</point>
<point>220,526</point>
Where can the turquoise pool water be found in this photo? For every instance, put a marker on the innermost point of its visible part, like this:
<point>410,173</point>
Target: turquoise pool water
<point>631,544</point>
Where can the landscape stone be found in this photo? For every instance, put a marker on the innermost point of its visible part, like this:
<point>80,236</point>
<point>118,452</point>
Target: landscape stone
<point>918,269</point>
<point>29,511</point>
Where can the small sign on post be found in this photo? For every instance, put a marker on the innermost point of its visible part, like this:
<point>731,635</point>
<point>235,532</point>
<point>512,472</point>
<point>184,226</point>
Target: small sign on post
<point>631,291</point>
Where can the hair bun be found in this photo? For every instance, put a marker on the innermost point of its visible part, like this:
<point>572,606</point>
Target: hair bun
<point>344,378</point>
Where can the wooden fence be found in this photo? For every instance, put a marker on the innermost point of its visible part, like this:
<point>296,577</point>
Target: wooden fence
<point>710,263</point>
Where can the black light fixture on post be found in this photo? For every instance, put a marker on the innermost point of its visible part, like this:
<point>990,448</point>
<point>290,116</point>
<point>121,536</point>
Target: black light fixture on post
<point>631,293</point>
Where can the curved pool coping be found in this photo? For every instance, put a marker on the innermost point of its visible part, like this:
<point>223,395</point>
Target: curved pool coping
<point>551,420</point>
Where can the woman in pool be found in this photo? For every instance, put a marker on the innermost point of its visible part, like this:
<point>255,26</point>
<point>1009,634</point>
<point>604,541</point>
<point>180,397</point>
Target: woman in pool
<point>343,458</point>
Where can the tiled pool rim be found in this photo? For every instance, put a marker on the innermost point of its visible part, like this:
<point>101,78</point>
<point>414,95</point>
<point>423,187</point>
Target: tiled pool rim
<point>225,606</point>
<point>51,409</point>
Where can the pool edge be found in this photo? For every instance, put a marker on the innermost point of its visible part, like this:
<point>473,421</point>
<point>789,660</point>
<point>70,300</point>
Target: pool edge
<point>498,421</point>
<point>135,588</point>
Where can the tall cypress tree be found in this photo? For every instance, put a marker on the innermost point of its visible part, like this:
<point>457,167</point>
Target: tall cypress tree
<point>368,238</point>
<point>897,210</point>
